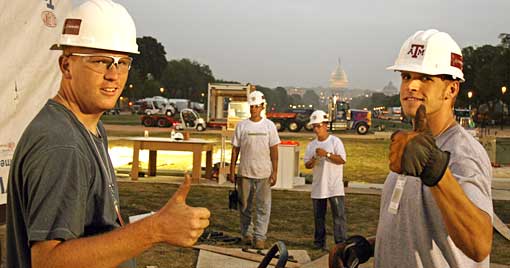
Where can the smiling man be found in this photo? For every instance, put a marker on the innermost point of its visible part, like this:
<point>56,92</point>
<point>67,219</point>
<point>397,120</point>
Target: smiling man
<point>436,205</point>
<point>63,202</point>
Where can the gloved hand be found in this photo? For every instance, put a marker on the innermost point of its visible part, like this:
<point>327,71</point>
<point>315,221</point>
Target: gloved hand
<point>353,252</point>
<point>416,154</point>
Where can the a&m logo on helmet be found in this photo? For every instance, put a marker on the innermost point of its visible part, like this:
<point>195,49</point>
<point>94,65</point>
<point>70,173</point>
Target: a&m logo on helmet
<point>416,50</point>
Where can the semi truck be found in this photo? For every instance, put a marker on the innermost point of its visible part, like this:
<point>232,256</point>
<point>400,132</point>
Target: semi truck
<point>344,118</point>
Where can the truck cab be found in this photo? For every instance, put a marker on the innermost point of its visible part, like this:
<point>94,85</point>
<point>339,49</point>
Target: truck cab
<point>344,118</point>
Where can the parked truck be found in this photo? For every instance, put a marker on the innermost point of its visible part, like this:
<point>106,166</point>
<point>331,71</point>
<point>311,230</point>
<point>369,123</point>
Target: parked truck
<point>344,118</point>
<point>293,119</point>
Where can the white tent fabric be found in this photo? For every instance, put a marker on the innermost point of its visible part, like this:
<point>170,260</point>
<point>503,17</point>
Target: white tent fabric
<point>29,73</point>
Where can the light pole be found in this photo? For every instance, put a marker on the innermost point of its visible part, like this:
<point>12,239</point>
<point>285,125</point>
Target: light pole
<point>132,92</point>
<point>470,95</point>
<point>503,91</point>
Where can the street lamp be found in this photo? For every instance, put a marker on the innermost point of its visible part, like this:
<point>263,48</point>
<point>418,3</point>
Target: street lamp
<point>470,95</point>
<point>161,89</point>
<point>503,91</point>
<point>132,92</point>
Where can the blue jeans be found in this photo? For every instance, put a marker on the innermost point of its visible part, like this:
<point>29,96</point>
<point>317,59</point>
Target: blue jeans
<point>260,189</point>
<point>339,222</point>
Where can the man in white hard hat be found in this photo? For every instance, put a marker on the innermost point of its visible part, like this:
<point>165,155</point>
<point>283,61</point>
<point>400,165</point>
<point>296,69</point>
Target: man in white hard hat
<point>63,202</point>
<point>326,156</point>
<point>256,140</point>
<point>436,204</point>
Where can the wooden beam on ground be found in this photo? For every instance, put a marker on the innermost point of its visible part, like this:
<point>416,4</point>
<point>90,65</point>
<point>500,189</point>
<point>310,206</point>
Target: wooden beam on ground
<point>236,253</point>
<point>501,227</point>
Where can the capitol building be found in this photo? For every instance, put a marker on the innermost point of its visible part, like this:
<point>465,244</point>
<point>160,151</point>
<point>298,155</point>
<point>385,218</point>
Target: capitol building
<point>338,79</point>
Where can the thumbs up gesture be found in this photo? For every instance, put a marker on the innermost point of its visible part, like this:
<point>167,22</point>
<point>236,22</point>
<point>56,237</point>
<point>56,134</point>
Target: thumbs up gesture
<point>416,154</point>
<point>177,223</point>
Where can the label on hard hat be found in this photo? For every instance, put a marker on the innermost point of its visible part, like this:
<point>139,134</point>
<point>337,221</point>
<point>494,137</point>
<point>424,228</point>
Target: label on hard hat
<point>456,61</point>
<point>72,26</point>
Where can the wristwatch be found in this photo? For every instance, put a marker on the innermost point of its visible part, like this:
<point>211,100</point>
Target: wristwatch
<point>328,155</point>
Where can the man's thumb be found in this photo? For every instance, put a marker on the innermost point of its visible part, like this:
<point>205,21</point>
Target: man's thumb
<point>183,190</point>
<point>420,120</point>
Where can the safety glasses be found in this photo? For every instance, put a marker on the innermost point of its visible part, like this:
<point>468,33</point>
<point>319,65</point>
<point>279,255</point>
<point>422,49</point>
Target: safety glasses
<point>101,63</point>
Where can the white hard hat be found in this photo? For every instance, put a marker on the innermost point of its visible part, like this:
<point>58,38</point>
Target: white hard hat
<point>101,24</point>
<point>178,136</point>
<point>256,98</point>
<point>318,117</point>
<point>430,52</point>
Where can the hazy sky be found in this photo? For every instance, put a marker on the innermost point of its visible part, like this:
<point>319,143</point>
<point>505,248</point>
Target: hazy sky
<point>297,42</point>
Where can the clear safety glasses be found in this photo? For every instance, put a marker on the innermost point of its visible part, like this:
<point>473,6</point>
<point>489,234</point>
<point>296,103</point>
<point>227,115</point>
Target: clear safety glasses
<point>101,63</point>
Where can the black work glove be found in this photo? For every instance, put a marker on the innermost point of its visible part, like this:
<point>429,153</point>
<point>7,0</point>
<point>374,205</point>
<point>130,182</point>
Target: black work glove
<point>420,157</point>
<point>353,252</point>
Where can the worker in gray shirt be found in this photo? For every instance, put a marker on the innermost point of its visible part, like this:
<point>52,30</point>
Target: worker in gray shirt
<point>63,201</point>
<point>436,205</point>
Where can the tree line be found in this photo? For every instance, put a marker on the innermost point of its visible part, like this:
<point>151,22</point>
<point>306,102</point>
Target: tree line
<point>486,70</point>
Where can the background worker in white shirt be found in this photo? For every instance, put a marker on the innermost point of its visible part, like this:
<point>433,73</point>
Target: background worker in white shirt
<point>326,156</point>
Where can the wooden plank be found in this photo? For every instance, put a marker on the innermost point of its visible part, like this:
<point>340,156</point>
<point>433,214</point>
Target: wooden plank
<point>500,226</point>
<point>232,252</point>
<point>135,163</point>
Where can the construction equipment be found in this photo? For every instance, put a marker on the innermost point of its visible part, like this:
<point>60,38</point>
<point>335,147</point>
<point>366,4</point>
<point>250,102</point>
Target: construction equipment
<point>219,108</point>
<point>157,105</point>
<point>157,121</point>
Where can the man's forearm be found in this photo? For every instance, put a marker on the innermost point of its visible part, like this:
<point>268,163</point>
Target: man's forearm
<point>337,159</point>
<point>233,159</point>
<point>274,158</point>
<point>469,226</point>
<point>105,250</point>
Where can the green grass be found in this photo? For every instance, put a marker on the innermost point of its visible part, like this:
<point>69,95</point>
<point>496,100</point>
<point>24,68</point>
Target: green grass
<point>291,219</point>
<point>367,160</point>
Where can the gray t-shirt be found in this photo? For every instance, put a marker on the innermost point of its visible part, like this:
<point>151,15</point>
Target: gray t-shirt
<point>58,188</point>
<point>416,235</point>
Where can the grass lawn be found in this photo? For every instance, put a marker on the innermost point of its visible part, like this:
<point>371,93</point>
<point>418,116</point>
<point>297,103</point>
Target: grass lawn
<point>367,160</point>
<point>291,219</point>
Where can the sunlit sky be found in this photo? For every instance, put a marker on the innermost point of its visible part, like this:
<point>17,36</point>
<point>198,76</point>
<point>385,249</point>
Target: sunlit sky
<point>298,42</point>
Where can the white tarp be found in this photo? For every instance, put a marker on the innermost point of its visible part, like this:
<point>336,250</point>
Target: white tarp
<point>29,73</point>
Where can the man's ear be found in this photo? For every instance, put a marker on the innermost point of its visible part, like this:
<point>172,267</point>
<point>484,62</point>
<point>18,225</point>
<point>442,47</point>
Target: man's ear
<point>63,62</point>
<point>452,90</point>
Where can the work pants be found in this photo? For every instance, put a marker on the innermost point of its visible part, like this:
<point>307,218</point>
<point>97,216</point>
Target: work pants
<point>260,189</point>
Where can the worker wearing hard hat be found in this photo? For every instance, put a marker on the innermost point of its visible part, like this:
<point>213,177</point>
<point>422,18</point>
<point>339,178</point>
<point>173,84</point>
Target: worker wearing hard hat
<point>63,202</point>
<point>326,156</point>
<point>256,140</point>
<point>436,206</point>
